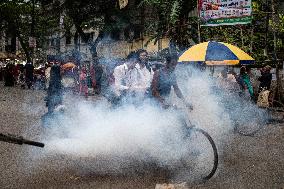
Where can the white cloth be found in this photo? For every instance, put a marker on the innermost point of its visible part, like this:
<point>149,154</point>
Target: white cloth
<point>119,74</point>
<point>139,79</point>
<point>136,80</point>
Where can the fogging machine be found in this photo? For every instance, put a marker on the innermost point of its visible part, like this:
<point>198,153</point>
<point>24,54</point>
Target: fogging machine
<point>19,140</point>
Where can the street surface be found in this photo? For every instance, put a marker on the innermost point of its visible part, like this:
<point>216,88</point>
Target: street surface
<point>245,162</point>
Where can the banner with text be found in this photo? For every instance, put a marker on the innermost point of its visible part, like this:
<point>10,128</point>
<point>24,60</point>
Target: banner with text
<point>224,12</point>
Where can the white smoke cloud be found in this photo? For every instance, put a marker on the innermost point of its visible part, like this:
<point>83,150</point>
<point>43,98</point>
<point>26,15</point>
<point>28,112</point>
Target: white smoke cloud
<point>115,137</point>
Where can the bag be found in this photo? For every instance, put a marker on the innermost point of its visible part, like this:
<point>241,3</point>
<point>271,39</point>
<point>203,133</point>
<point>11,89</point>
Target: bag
<point>263,99</point>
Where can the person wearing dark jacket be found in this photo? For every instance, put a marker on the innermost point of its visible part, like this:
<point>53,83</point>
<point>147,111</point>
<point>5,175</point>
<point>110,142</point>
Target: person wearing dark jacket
<point>265,79</point>
<point>163,80</point>
<point>54,91</point>
<point>29,70</point>
<point>8,75</point>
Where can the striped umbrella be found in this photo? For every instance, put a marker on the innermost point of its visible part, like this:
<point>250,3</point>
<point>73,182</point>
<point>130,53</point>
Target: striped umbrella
<point>216,53</point>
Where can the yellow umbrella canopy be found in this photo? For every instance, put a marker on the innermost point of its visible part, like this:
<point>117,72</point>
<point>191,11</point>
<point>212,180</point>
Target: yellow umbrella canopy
<point>216,53</point>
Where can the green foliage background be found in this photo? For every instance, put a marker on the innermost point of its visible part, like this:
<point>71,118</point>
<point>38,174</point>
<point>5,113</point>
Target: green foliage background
<point>177,21</point>
<point>174,19</point>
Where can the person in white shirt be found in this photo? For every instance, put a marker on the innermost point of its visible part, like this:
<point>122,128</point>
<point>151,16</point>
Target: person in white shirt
<point>120,74</point>
<point>145,70</point>
<point>133,79</point>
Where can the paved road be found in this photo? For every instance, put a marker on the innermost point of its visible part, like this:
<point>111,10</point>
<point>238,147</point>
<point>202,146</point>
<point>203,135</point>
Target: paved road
<point>246,162</point>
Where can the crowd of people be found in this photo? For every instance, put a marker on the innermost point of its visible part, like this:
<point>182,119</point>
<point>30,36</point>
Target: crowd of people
<point>245,83</point>
<point>22,75</point>
<point>132,81</point>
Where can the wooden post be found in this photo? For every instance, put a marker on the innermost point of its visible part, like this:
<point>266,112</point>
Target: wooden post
<point>199,32</point>
<point>198,23</point>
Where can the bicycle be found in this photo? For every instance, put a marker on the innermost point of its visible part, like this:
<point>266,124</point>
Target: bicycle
<point>203,150</point>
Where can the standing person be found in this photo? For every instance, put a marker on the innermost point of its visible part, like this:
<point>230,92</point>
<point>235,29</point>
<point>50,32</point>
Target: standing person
<point>22,81</point>
<point>16,72</point>
<point>143,58</point>
<point>120,72</point>
<point>54,91</point>
<point>244,82</point>
<point>97,76</point>
<point>145,70</point>
<point>83,82</point>
<point>265,79</point>
<point>163,80</point>
<point>93,81</point>
<point>137,80</point>
<point>9,76</point>
<point>253,79</point>
<point>29,76</point>
<point>68,72</point>
<point>227,83</point>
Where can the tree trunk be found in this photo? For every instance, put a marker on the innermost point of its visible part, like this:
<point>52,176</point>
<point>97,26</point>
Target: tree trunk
<point>251,40</point>
<point>25,48</point>
<point>94,45</point>
<point>279,91</point>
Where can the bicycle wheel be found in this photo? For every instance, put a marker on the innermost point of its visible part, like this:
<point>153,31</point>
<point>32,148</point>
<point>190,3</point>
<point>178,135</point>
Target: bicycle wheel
<point>200,161</point>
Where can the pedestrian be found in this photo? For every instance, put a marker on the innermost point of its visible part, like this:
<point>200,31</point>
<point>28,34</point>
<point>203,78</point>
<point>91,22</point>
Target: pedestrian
<point>16,72</point>
<point>68,72</point>
<point>107,84</point>
<point>145,70</point>
<point>265,79</point>
<point>29,74</point>
<point>143,58</point>
<point>83,90</point>
<point>97,76</point>
<point>245,84</point>
<point>122,79</point>
<point>9,79</point>
<point>137,80</point>
<point>54,91</point>
<point>227,82</point>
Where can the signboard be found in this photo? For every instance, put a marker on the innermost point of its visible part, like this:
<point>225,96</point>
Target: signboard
<point>224,12</point>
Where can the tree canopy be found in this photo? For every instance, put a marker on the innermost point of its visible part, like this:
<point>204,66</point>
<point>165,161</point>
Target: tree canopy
<point>174,19</point>
<point>24,19</point>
